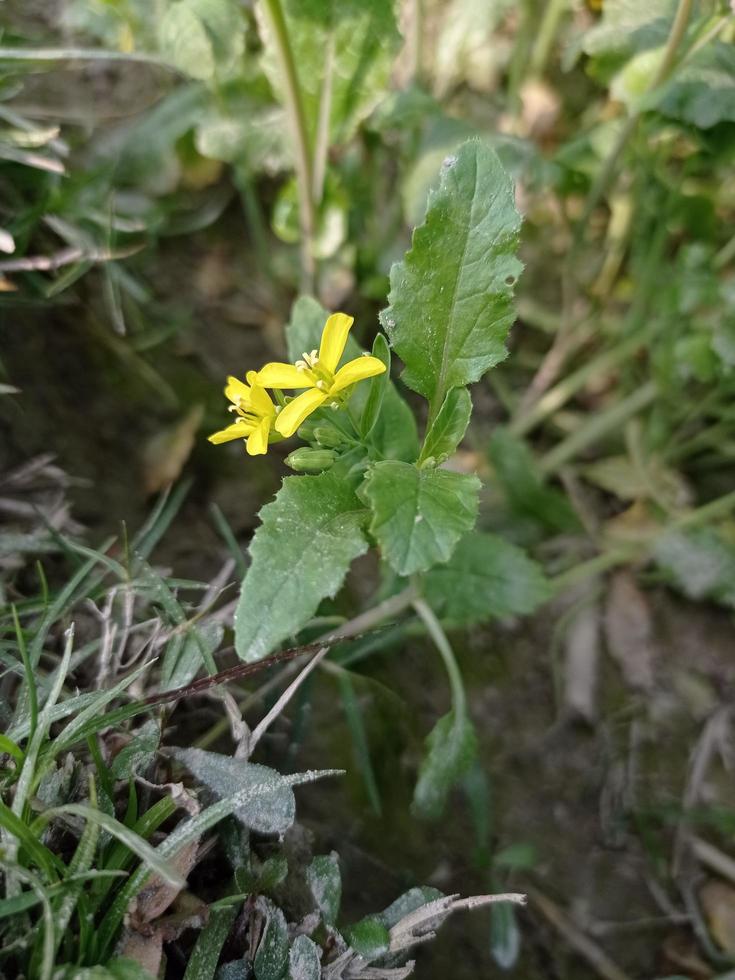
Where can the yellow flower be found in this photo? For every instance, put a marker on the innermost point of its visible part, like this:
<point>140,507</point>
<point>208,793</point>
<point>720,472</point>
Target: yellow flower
<point>255,415</point>
<point>318,372</point>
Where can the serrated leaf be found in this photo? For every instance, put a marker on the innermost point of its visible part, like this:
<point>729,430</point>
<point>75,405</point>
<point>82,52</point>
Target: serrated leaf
<point>628,26</point>
<point>271,960</point>
<point>347,45</point>
<point>271,807</point>
<point>418,515</point>
<point>448,428</point>
<point>300,555</point>
<point>370,938</point>
<point>451,749</point>
<point>304,960</point>
<point>325,882</point>
<point>185,42</point>
<point>451,296</point>
<point>487,577</point>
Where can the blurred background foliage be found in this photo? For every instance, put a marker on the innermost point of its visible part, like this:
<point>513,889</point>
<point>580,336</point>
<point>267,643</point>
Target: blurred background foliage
<point>164,196</point>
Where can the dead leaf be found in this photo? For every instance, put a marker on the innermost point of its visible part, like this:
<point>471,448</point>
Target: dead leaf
<point>145,950</point>
<point>165,454</point>
<point>581,661</point>
<point>158,894</point>
<point>629,630</point>
<point>680,955</point>
<point>718,905</point>
<point>540,108</point>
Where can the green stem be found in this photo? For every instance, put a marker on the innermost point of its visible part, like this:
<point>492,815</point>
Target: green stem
<point>553,14</point>
<point>597,427</point>
<point>610,166</point>
<point>439,637</point>
<point>321,149</point>
<point>32,693</point>
<point>388,609</point>
<point>560,394</point>
<point>302,151</point>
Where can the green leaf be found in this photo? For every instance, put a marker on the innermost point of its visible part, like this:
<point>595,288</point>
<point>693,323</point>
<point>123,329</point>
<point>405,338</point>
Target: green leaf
<point>345,47</point>
<point>701,564</point>
<point>378,387</point>
<point>304,960</point>
<point>369,937</point>
<point>271,960</point>
<point>409,902</point>
<point>448,428</point>
<point>451,750</point>
<point>505,937</point>
<point>268,803</point>
<point>185,42</point>
<point>524,487</point>
<point>325,883</point>
<point>204,957</point>
<point>395,435</point>
<point>418,515</point>
<point>628,26</point>
<point>486,577</point>
<point>451,296</point>
<point>138,753</point>
<point>300,555</point>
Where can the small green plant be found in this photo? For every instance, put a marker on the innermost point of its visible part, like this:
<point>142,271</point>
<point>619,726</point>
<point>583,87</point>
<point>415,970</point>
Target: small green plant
<point>366,478</point>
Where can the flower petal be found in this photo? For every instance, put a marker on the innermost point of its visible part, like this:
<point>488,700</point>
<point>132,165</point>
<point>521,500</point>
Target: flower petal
<point>236,390</point>
<point>277,375</point>
<point>257,443</point>
<point>334,338</point>
<point>260,400</point>
<point>238,430</point>
<point>362,367</point>
<point>290,418</point>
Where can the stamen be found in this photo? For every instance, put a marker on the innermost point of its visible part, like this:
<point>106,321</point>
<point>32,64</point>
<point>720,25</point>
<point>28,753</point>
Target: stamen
<point>322,385</point>
<point>334,405</point>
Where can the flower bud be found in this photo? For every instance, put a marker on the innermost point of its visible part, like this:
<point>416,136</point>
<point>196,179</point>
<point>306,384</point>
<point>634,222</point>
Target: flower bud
<point>328,437</point>
<point>306,430</point>
<point>306,460</point>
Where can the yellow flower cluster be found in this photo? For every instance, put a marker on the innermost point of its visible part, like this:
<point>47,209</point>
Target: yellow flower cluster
<point>260,420</point>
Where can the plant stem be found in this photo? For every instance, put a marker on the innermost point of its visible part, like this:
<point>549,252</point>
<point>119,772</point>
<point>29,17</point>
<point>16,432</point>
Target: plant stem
<point>321,149</point>
<point>366,621</point>
<point>302,151</point>
<point>434,628</point>
<point>553,13</point>
<point>609,167</point>
<point>598,426</point>
<point>559,395</point>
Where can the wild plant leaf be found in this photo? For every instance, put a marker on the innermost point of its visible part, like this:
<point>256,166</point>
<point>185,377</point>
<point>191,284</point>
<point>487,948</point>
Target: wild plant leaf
<point>304,960</point>
<point>269,811</point>
<point>448,428</point>
<point>138,753</point>
<point>271,959</point>
<point>702,91</point>
<point>183,661</point>
<point>347,47</point>
<point>418,515</point>
<point>325,883</point>
<point>300,555</point>
<point>525,488</point>
<point>700,563</point>
<point>185,42</point>
<point>505,936</point>
<point>407,903</point>
<point>369,937</point>
<point>203,959</point>
<point>627,27</point>
<point>451,296</point>
<point>487,577</point>
<point>451,750</point>
<point>377,387</point>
